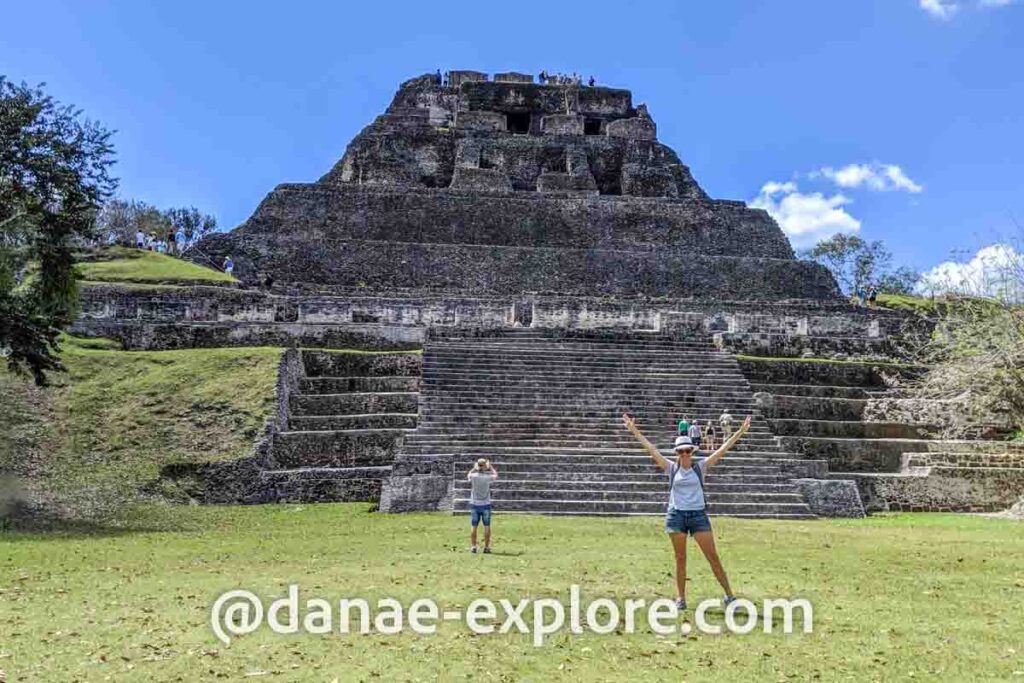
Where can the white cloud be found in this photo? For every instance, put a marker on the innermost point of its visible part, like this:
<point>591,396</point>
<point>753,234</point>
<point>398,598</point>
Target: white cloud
<point>943,9</point>
<point>805,218</point>
<point>989,273</point>
<point>874,176</point>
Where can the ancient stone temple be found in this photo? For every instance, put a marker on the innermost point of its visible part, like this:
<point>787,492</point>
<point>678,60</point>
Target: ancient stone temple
<point>504,187</point>
<point>538,263</point>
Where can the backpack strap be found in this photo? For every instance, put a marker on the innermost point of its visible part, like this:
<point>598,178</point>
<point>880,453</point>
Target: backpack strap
<point>700,477</point>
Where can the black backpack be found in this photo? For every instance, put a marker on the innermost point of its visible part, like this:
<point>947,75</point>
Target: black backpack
<point>700,478</point>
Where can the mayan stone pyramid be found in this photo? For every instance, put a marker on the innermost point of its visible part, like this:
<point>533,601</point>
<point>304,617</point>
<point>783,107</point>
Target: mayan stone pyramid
<point>509,187</point>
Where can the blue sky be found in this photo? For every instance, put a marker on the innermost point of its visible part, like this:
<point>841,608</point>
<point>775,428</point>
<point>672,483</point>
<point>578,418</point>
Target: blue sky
<point>899,118</point>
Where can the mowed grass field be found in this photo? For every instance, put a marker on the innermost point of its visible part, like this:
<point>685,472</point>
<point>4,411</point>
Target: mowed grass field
<point>901,597</point>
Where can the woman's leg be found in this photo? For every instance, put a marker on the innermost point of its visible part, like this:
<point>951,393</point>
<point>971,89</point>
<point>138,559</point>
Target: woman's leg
<point>679,546</point>
<point>706,541</point>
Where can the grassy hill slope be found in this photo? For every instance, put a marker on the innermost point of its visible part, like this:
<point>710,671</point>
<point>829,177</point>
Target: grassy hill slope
<point>116,417</point>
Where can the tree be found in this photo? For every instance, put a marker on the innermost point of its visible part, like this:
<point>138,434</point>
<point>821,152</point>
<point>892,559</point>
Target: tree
<point>120,219</point>
<point>859,265</point>
<point>54,176</point>
<point>196,224</point>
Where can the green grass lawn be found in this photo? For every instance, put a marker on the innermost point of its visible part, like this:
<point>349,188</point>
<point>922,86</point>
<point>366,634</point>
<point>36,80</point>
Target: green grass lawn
<point>109,424</point>
<point>123,264</point>
<point>904,597</point>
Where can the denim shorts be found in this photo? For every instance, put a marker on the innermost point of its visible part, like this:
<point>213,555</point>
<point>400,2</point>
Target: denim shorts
<point>480,513</point>
<point>686,521</point>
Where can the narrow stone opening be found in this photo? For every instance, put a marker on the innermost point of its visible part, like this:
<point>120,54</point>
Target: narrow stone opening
<point>591,126</point>
<point>517,122</point>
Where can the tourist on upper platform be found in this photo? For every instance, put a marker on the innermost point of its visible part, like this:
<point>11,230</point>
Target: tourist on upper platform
<point>590,82</point>
<point>171,243</point>
<point>140,239</point>
<point>180,241</point>
<point>542,77</point>
<point>229,265</point>
<point>480,477</point>
<point>687,504</point>
<point>438,79</point>
<point>710,436</point>
<point>725,421</point>
<point>872,298</point>
<point>683,428</point>
<point>694,432</point>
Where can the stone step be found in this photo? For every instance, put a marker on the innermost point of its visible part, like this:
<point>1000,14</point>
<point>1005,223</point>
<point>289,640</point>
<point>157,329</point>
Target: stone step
<point>697,381</point>
<point>347,364</point>
<point>323,484</point>
<point>717,395</point>
<point>617,438</point>
<point>354,403</point>
<point>531,343</point>
<point>659,485</point>
<point>583,352</point>
<point>433,431</point>
<point>493,451</point>
<point>652,478</point>
<point>799,516</point>
<point>821,391</point>
<point>344,422</point>
<point>351,448</point>
<point>813,408</point>
<point>852,429</point>
<point>511,392</point>
<point>647,507</point>
<point>318,473</point>
<point>588,466</point>
<point>502,494</point>
<point>584,360</point>
<point>342,385</point>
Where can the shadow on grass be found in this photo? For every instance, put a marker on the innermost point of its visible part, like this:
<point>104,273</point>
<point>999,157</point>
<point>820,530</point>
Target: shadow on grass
<point>25,521</point>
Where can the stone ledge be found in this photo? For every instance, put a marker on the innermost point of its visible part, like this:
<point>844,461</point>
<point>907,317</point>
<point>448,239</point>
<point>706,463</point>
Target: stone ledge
<point>832,497</point>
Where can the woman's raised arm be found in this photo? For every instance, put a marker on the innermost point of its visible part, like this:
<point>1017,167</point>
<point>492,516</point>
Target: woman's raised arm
<point>656,456</point>
<point>717,455</point>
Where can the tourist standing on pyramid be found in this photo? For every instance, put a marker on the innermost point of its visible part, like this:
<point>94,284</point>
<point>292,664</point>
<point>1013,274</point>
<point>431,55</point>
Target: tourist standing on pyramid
<point>725,421</point>
<point>694,432</point>
<point>687,504</point>
<point>480,479</point>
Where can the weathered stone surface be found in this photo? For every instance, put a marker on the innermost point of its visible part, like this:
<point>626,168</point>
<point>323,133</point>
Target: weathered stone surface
<point>633,129</point>
<point>562,124</point>
<point>418,484</point>
<point>832,497</point>
<point>515,199</point>
<point>941,489</point>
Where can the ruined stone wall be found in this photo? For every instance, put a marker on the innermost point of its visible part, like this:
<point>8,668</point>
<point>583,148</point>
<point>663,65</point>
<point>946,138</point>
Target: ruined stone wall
<point>316,214</point>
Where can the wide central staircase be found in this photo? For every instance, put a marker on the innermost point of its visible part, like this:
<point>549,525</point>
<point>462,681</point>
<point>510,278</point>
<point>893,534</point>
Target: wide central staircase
<point>545,407</point>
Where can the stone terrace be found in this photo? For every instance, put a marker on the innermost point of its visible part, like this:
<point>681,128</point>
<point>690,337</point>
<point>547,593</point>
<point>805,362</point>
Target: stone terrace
<point>545,407</point>
<point>346,421</point>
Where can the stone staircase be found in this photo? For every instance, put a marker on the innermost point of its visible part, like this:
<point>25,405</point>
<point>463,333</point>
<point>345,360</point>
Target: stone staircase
<point>346,422</point>
<point>545,406</point>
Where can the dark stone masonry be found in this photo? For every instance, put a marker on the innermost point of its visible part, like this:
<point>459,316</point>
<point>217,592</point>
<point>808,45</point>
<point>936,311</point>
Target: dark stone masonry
<point>505,187</point>
<point>523,263</point>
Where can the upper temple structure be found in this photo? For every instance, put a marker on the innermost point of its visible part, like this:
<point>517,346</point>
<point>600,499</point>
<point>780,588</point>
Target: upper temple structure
<point>505,187</point>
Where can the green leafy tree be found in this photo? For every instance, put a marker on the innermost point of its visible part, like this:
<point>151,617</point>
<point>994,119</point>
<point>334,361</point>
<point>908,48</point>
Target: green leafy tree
<point>859,265</point>
<point>120,219</point>
<point>54,176</point>
<point>195,223</point>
